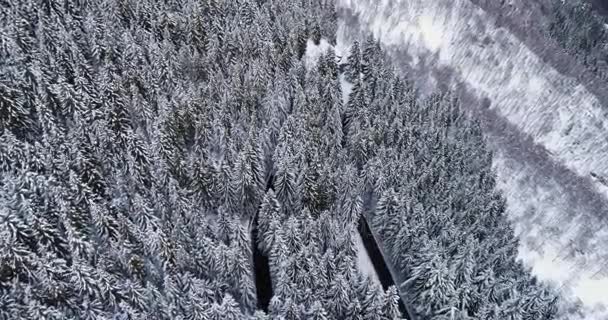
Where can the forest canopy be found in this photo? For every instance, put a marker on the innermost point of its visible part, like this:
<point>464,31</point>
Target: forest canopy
<point>140,139</point>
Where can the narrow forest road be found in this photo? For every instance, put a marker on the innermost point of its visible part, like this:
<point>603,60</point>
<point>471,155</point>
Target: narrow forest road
<point>261,271</point>
<point>382,268</point>
<point>261,265</point>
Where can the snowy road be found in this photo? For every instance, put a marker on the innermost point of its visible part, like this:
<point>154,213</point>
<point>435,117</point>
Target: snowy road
<point>547,130</point>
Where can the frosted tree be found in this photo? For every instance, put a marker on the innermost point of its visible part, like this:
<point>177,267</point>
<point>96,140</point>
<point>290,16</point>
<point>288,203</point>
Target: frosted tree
<point>317,312</point>
<point>292,232</point>
<point>387,211</point>
<point>286,188</point>
<point>269,212</point>
<point>390,309</point>
<point>137,139</point>
<point>371,304</point>
<point>250,182</point>
<point>354,68</point>
<point>338,296</point>
<point>260,315</point>
<point>291,310</point>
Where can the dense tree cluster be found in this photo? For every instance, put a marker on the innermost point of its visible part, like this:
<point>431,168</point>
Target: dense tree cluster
<point>429,191</point>
<point>138,140</point>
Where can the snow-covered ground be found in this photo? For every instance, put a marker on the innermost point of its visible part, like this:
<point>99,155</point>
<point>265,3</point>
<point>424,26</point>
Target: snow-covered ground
<point>547,130</point>
<point>314,51</point>
<point>364,262</point>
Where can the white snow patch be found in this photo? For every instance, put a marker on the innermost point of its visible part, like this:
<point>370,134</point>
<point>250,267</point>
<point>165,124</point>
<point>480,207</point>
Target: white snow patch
<point>347,88</point>
<point>546,264</point>
<point>313,52</point>
<point>364,262</point>
<point>432,35</point>
<point>536,84</point>
<point>591,290</point>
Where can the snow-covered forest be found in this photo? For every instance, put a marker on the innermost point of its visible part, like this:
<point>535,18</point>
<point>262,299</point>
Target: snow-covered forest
<point>144,142</point>
<point>542,112</point>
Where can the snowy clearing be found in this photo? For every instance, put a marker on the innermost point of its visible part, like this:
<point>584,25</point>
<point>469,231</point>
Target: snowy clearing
<point>364,262</point>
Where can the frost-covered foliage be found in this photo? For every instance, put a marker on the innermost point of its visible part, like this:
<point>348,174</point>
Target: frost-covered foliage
<point>428,173</point>
<point>139,138</point>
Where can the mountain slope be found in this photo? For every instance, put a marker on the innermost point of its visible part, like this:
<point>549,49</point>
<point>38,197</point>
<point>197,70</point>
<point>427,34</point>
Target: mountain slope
<point>547,129</point>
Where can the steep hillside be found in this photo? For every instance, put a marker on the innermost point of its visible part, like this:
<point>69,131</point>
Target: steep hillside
<point>187,159</point>
<point>546,128</point>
